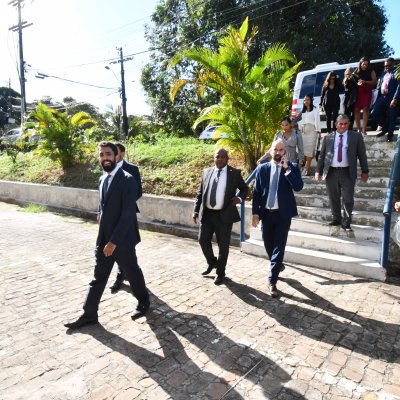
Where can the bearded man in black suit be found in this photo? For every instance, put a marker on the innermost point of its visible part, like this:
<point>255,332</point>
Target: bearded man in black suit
<point>118,235</point>
<point>215,207</point>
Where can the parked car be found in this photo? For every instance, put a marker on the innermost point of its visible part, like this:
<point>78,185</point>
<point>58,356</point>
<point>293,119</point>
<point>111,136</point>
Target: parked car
<point>15,134</point>
<point>208,133</point>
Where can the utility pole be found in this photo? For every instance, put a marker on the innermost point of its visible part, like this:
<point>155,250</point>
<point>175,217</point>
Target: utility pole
<point>21,25</point>
<point>123,94</point>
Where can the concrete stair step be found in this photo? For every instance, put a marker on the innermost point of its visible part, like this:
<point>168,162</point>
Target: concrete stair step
<point>355,266</point>
<point>360,192</point>
<point>360,204</point>
<point>344,245</point>
<point>380,182</point>
<point>360,232</point>
<point>319,214</point>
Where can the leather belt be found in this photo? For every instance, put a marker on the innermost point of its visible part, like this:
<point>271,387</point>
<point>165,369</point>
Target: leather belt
<point>339,167</point>
<point>268,210</point>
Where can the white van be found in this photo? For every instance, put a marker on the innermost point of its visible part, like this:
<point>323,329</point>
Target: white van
<point>311,81</point>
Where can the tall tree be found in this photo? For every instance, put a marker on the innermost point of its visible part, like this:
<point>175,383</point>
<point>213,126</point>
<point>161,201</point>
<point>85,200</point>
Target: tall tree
<point>315,31</point>
<point>253,97</point>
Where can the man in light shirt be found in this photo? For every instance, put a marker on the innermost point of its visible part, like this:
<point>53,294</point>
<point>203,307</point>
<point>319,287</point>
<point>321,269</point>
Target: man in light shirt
<point>274,205</point>
<point>215,208</point>
<point>337,164</point>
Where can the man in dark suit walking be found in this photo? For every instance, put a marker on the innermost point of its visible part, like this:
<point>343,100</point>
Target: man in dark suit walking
<point>337,164</point>
<point>386,106</point>
<point>134,171</point>
<point>275,205</point>
<point>117,237</point>
<point>215,207</point>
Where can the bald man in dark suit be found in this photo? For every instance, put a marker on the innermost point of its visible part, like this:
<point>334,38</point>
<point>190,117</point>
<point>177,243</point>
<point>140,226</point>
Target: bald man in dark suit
<point>215,208</point>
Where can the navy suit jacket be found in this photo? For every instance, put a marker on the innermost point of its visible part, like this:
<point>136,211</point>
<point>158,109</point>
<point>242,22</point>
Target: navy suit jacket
<point>234,181</point>
<point>286,185</point>
<point>118,222</point>
<point>393,86</point>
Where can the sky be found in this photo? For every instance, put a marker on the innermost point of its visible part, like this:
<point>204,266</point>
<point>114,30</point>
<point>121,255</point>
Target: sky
<point>76,39</point>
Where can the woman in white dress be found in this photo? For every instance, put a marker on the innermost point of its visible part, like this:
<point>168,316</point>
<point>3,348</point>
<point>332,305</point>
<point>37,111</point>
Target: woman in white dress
<point>310,126</point>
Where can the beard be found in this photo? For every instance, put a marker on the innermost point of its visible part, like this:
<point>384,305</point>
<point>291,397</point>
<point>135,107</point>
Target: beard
<point>277,158</point>
<point>108,167</point>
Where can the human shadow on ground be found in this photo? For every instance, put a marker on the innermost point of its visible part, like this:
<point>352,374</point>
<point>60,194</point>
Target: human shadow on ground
<point>370,337</point>
<point>329,281</point>
<point>182,377</point>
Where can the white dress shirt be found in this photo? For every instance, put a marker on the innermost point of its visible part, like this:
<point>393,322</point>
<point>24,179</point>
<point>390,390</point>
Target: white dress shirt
<point>345,160</point>
<point>221,188</point>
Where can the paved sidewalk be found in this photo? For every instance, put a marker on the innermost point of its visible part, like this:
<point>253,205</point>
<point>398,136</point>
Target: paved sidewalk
<point>328,336</point>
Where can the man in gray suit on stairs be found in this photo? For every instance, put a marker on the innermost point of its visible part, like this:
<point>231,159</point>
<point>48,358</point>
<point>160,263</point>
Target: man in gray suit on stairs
<point>337,164</point>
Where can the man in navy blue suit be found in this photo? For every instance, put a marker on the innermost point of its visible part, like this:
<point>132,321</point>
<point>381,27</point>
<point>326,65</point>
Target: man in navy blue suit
<point>134,171</point>
<point>386,106</point>
<point>275,205</point>
<point>118,235</point>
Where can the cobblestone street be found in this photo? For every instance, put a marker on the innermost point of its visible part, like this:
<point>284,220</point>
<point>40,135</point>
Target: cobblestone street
<point>327,337</point>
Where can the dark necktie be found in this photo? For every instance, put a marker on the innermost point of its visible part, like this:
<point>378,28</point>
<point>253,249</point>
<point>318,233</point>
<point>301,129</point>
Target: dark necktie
<point>340,148</point>
<point>213,194</point>
<point>273,188</point>
<point>105,187</point>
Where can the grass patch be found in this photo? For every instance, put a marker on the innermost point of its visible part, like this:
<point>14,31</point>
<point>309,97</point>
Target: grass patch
<point>32,208</point>
<point>171,167</point>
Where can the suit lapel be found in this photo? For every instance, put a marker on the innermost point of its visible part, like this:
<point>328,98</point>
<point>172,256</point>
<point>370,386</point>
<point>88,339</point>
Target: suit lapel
<point>113,184</point>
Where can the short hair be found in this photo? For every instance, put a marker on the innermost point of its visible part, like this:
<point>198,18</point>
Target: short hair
<point>223,150</point>
<point>287,119</point>
<point>391,59</point>
<point>121,147</point>
<point>275,142</point>
<point>111,145</point>
<point>342,116</point>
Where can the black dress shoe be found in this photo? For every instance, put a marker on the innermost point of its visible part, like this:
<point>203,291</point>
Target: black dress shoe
<point>208,270</point>
<point>335,223</point>
<point>219,280</point>
<point>347,227</point>
<point>389,139</point>
<point>116,286</point>
<point>282,267</point>
<point>141,310</point>
<point>82,321</point>
<point>381,133</point>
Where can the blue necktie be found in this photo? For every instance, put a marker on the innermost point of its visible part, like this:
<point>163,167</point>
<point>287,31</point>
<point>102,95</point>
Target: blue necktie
<point>273,188</point>
<point>105,187</point>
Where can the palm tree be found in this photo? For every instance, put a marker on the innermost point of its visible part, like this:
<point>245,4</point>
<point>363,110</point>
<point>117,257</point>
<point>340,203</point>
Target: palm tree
<point>62,136</point>
<point>253,98</point>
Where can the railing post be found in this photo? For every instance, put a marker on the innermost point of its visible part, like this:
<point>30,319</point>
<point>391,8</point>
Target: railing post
<point>388,207</point>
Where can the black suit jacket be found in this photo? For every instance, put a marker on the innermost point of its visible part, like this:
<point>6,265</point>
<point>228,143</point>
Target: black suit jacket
<point>118,222</point>
<point>134,171</point>
<point>234,181</point>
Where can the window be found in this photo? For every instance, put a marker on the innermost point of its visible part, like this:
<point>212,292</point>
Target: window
<point>307,86</point>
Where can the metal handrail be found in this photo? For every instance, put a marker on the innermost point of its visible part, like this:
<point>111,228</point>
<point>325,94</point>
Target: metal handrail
<point>388,207</point>
<point>242,209</point>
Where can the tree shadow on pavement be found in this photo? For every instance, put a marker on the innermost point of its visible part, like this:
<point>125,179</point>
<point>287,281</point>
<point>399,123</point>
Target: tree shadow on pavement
<point>184,378</point>
<point>373,338</point>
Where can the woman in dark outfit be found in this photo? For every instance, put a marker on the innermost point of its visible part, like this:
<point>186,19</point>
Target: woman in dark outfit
<point>350,95</point>
<point>330,98</point>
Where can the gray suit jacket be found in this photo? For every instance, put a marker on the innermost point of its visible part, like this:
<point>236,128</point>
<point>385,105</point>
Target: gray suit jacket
<point>234,181</point>
<point>355,150</point>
